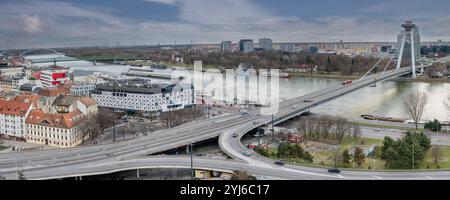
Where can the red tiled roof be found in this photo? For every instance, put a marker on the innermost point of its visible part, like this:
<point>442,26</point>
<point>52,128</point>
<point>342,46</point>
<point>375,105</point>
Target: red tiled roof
<point>28,98</point>
<point>49,92</point>
<point>67,120</point>
<point>14,108</point>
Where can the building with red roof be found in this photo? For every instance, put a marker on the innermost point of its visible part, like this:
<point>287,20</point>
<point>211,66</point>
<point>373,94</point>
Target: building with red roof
<point>12,119</point>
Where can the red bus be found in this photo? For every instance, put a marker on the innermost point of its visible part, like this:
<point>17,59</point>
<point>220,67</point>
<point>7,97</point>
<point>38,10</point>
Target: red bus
<point>347,82</point>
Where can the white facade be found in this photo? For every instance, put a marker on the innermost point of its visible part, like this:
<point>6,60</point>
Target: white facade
<point>12,126</point>
<point>53,136</point>
<point>54,77</point>
<point>81,89</point>
<point>144,102</point>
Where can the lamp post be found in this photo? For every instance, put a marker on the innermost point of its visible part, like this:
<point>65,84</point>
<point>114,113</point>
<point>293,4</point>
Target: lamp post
<point>413,155</point>
<point>192,161</point>
<point>114,115</point>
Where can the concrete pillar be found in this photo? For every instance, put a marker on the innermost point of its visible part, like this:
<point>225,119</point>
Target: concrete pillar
<point>137,173</point>
<point>402,47</point>
<point>413,55</point>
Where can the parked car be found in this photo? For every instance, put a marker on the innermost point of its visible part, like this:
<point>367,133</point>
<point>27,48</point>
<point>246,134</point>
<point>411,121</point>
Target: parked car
<point>235,135</point>
<point>334,171</point>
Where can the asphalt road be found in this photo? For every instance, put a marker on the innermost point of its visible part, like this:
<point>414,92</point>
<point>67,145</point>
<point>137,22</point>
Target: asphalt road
<point>272,171</point>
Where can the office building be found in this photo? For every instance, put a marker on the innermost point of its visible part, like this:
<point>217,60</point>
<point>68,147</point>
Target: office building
<point>246,46</point>
<point>141,95</point>
<point>226,46</point>
<point>265,44</point>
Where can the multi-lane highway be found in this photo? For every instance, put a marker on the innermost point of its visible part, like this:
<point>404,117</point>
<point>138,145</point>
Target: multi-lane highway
<point>270,171</point>
<point>65,162</point>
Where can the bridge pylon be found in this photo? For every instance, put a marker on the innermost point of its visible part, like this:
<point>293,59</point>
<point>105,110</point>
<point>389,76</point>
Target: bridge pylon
<point>409,34</point>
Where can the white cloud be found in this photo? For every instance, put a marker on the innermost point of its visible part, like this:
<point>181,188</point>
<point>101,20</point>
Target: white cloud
<point>202,21</point>
<point>32,24</point>
<point>228,12</point>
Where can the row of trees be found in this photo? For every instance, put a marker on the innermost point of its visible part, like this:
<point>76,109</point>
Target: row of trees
<point>293,151</point>
<point>358,157</point>
<point>96,124</point>
<point>434,125</point>
<point>326,128</point>
<point>177,117</point>
<point>342,64</point>
<point>407,152</point>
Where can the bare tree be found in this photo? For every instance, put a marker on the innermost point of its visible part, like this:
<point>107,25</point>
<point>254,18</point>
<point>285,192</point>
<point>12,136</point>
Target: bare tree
<point>356,131</point>
<point>326,126</point>
<point>436,154</point>
<point>415,104</point>
<point>105,118</point>
<point>91,128</point>
<point>342,127</point>
<point>128,129</point>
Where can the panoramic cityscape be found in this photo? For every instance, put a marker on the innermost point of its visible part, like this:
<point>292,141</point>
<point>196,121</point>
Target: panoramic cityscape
<point>224,90</point>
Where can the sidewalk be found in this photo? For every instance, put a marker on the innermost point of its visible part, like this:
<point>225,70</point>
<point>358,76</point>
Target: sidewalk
<point>17,146</point>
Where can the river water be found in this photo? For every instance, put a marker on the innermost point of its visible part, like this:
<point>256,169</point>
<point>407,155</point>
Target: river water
<point>386,99</point>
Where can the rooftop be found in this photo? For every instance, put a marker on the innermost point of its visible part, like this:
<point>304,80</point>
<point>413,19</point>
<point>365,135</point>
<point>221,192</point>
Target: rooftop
<point>67,120</point>
<point>139,86</point>
<point>14,108</point>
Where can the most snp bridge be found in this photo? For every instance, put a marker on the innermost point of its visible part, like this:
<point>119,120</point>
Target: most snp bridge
<point>42,164</point>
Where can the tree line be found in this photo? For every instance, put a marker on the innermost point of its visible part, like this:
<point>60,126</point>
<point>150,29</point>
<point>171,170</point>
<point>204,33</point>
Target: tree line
<point>327,129</point>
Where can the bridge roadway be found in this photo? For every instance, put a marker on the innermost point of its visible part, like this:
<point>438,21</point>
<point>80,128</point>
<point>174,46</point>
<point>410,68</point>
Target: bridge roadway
<point>64,159</point>
<point>287,172</point>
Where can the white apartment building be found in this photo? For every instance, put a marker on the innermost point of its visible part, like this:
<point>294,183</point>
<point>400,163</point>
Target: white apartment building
<point>51,78</point>
<point>140,95</point>
<point>81,88</point>
<point>13,115</point>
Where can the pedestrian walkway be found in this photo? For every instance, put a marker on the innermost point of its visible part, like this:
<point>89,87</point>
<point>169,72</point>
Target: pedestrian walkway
<point>18,146</point>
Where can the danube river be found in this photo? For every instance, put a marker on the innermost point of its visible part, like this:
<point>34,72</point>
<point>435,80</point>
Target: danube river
<point>386,99</point>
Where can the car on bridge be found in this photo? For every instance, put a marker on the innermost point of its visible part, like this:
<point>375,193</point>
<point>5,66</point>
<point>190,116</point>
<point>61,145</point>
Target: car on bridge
<point>246,153</point>
<point>307,100</point>
<point>347,82</point>
<point>255,122</point>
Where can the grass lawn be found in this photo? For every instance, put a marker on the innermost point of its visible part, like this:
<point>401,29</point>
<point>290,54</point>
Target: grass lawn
<point>325,158</point>
<point>2,147</point>
<point>444,161</point>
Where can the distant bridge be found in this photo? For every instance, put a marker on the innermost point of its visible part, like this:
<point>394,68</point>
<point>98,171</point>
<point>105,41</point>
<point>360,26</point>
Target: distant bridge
<point>83,58</point>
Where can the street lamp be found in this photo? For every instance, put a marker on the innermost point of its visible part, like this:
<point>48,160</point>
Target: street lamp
<point>114,115</point>
<point>192,161</point>
<point>413,154</point>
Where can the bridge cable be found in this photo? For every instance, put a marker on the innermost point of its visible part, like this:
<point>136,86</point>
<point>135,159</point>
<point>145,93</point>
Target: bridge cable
<point>382,57</point>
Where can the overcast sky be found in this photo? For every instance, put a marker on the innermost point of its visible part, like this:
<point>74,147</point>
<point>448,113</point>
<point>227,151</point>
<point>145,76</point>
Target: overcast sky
<point>45,23</point>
